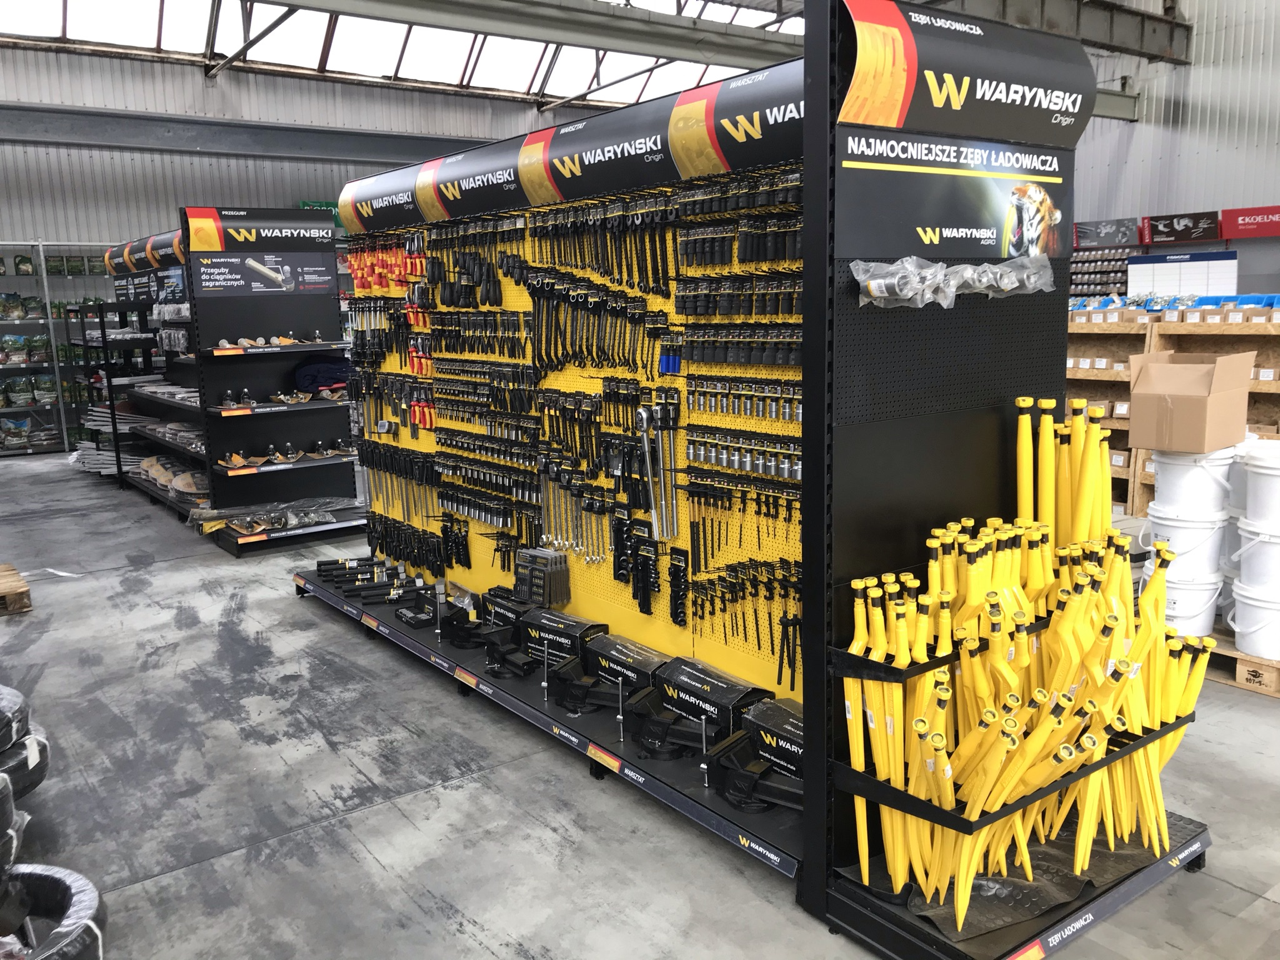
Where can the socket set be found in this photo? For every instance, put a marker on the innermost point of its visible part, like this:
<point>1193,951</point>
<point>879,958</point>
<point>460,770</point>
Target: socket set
<point>739,192</point>
<point>747,344</point>
<point>768,455</point>
<point>739,295</point>
<point>772,399</point>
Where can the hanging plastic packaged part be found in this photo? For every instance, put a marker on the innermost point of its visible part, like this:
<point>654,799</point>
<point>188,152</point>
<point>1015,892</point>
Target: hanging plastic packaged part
<point>894,284</point>
<point>1023,275</point>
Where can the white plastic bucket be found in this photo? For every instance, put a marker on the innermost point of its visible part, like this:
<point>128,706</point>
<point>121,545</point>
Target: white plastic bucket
<point>1192,607</point>
<point>1237,478</point>
<point>1193,484</point>
<point>1258,555</point>
<point>1256,621</point>
<point>1262,504</point>
<point>1226,599</point>
<point>1197,542</point>
<point>1229,561</point>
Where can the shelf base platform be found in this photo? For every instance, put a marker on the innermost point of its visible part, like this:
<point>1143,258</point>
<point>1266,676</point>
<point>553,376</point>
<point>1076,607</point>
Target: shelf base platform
<point>345,523</point>
<point>893,931</point>
<point>773,836</point>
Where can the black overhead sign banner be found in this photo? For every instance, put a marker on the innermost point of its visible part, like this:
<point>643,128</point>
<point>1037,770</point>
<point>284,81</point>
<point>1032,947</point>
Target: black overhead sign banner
<point>1106,233</point>
<point>903,194</point>
<point>1181,228</point>
<point>748,121</point>
<point>261,252</point>
<point>146,253</point>
<point>277,231</point>
<point>925,69</point>
<point>149,269</point>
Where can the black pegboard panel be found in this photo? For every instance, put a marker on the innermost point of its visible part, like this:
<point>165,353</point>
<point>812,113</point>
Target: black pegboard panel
<point>906,362</point>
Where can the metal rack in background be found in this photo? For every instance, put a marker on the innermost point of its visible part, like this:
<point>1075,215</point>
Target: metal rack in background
<point>40,276</point>
<point>140,341</point>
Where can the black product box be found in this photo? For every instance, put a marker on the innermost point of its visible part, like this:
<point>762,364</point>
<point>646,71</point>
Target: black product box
<point>502,609</point>
<point>611,657</point>
<point>695,690</point>
<point>776,728</point>
<point>561,635</point>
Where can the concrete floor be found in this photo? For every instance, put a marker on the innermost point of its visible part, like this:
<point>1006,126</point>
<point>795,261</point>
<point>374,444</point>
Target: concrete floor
<point>247,774</point>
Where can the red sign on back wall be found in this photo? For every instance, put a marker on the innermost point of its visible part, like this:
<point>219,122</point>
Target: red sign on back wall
<point>1247,222</point>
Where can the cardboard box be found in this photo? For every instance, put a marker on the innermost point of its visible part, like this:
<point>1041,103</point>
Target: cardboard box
<point>1193,316</point>
<point>1120,410</point>
<point>1100,363</point>
<point>1171,316</point>
<point>1215,315</point>
<point>1259,674</point>
<point>1119,366</point>
<point>695,690</point>
<point>1117,509</point>
<point>1120,458</point>
<point>777,727</point>
<point>1257,315</point>
<point>1235,316</point>
<point>559,635</point>
<point>1104,404</point>
<point>1079,316</point>
<point>1115,316</point>
<point>1140,316</point>
<point>1275,316</point>
<point>1188,402</point>
<point>1084,363</point>
<point>1149,466</point>
<point>1071,362</point>
<point>1097,316</point>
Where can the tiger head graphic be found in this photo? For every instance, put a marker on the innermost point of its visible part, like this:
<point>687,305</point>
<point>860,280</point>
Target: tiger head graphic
<point>1030,226</point>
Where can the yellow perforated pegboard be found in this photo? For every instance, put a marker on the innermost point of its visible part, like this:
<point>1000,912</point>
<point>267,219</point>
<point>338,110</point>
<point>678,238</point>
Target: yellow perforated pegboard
<point>730,640</point>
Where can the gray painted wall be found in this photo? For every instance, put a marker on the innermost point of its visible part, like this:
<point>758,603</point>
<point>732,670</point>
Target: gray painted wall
<point>1209,134</point>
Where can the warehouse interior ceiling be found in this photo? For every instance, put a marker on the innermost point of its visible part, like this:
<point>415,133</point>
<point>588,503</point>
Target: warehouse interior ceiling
<point>548,51</point>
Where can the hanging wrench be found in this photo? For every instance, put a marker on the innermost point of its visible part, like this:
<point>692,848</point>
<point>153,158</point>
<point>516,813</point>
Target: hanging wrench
<point>644,418</point>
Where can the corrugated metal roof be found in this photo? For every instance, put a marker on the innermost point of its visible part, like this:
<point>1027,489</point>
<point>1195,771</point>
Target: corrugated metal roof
<point>42,76</point>
<point>1208,135</point>
<point>71,193</point>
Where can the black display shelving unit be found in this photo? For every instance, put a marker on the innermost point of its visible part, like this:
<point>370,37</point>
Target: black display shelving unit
<point>911,423</point>
<point>94,316</point>
<point>218,320</point>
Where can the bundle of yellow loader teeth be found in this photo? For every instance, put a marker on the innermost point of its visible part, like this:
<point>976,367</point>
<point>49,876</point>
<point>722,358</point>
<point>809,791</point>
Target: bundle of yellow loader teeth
<point>1020,688</point>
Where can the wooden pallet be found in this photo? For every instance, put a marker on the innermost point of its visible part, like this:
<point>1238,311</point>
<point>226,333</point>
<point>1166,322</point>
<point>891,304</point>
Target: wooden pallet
<point>1228,665</point>
<point>15,595</point>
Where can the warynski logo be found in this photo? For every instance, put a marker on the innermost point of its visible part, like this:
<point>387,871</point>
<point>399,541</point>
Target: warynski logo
<point>754,847</point>
<point>1039,97</point>
<point>934,235</point>
<point>278,233</point>
<point>366,207</point>
<point>950,92</point>
<point>572,166</point>
<point>675,693</point>
<point>453,189</point>
<point>773,741</point>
